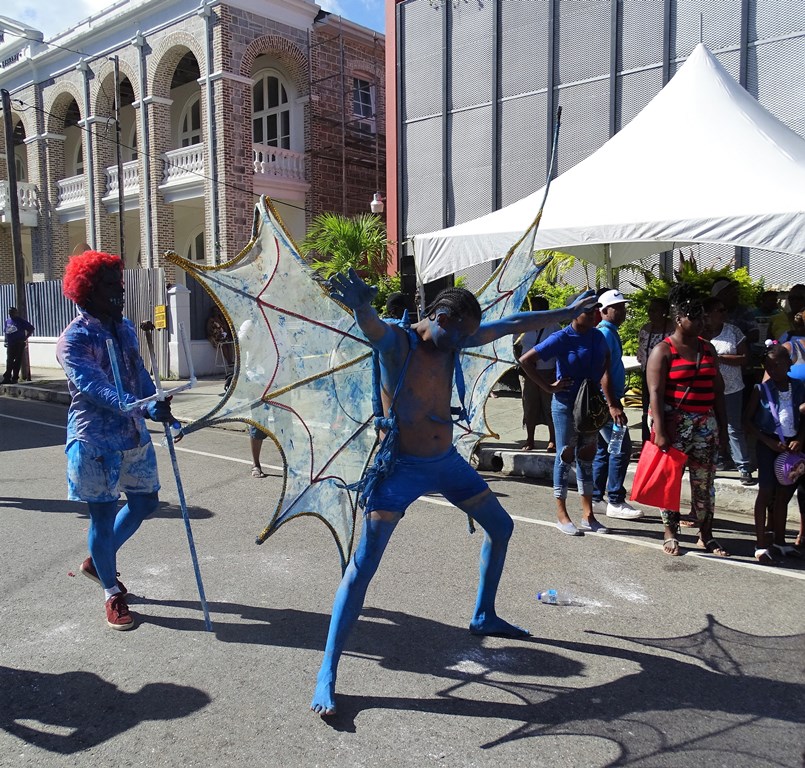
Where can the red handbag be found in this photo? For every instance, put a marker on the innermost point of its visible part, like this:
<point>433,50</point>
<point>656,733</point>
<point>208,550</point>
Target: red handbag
<point>658,477</point>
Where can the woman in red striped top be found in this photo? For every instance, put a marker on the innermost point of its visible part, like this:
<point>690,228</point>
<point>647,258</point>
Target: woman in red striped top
<point>687,411</point>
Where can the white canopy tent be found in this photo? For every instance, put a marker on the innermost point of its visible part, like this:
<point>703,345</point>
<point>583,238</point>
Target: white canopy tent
<point>703,162</point>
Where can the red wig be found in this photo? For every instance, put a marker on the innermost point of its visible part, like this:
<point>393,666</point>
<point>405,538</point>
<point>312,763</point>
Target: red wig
<point>82,273</point>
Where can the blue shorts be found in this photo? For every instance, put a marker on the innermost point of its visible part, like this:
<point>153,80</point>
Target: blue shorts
<point>256,434</point>
<point>415,476</point>
<point>95,475</point>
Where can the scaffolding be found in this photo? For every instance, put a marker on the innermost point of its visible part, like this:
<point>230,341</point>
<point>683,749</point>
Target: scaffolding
<point>347,109</point>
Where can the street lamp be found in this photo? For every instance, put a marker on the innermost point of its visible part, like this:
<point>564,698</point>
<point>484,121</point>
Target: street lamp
<point>377,205</point>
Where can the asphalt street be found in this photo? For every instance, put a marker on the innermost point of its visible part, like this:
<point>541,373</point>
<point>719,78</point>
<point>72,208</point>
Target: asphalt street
<point>658,661</point>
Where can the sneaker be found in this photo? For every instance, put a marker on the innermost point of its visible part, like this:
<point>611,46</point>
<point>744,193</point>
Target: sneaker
<point>623,511</point>
<point>568,528</point>
<point>593,527</point>
<point>599,507</point>
<point>88,569</point>
<point>118,615</point>
<point>747,479</point>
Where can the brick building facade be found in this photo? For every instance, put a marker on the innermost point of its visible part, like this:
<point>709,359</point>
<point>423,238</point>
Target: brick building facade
<point>219,103</point>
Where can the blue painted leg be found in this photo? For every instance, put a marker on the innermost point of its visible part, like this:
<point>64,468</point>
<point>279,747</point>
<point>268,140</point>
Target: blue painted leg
<point>491,516</point>
<point>101,541</point>
<point>130,517</point>
<point>347,606</point>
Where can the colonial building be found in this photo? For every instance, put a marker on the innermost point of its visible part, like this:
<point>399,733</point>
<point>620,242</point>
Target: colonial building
<point>208,106</point>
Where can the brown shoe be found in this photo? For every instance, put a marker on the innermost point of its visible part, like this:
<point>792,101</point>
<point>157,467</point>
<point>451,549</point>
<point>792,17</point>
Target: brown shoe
<point>88,569</point>
<point>118,615</point>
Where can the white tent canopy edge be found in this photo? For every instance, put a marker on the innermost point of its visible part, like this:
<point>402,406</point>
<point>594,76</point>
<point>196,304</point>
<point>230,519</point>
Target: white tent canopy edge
<point>703,162</point>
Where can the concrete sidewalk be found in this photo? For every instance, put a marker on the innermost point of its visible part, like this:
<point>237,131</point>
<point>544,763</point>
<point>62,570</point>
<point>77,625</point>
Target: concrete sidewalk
<point>502,454</point>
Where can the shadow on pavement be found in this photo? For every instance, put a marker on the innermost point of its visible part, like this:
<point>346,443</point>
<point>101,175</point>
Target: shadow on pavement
<point>75,711</point>
<point>79,508</point>
<point>717,699</point>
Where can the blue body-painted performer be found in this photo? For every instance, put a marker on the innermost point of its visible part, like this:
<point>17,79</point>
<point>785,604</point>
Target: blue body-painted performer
<point>107,450</point>
<point>416,376</point>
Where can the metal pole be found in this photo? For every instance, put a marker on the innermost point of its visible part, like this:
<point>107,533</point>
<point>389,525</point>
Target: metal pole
<point>121,237</point>
<point>14,206</point>
<point>148,329</point>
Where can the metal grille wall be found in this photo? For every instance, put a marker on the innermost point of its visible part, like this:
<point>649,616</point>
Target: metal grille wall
<point>50,312</point>
<point>479,83</point>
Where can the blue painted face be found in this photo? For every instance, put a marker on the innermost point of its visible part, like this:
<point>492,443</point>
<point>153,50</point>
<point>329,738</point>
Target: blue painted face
<point>450,333</point>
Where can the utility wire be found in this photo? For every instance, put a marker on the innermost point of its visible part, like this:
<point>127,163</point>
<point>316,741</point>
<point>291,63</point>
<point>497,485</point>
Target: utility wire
<point>154,158</point>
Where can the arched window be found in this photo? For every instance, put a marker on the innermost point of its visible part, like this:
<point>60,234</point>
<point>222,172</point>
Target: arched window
<point>190,124</point>
<point>79,159</point>
<point>19,166</point>
<point>131,149</point>
<point>271,110</point>
<point>195,249</point>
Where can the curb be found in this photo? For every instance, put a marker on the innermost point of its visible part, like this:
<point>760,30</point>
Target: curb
<point>730,495</point>
<point>45,394</point>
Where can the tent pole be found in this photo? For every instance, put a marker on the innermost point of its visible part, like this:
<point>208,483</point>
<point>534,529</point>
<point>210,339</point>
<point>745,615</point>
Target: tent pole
<point>608,266</point>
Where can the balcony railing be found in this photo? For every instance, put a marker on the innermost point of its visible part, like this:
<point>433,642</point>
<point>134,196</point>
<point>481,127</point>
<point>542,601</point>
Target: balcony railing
<point>72,191</point>
<point>131,179</point>
<point>185,165</point>
<point>280,163</point>
<point>28,202</point>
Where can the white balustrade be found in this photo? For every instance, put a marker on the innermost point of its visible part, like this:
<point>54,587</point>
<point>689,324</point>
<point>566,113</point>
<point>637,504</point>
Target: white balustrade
<point>131,179</point>
<point>185,165</point>
<point>27,195</point>
<point>278,162</point>
<point>71,191</point>
<point>28,203</point>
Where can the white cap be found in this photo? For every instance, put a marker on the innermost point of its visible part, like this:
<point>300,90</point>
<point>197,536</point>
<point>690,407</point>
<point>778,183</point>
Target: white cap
<point>610,298</point>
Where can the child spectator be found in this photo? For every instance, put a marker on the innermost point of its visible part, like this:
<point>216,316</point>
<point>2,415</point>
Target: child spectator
<point>775,414</point>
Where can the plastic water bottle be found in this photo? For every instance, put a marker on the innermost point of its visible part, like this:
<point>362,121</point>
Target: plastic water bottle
<point>176,431</point>
<point>553,597</point>
<point>616,441</point>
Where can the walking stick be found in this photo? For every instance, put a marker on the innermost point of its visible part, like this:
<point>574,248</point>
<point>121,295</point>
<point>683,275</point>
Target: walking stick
<point>161,394</point>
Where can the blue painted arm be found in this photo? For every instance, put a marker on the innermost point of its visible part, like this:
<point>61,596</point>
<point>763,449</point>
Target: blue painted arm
<point>530,321</point>
<point>351,291</point>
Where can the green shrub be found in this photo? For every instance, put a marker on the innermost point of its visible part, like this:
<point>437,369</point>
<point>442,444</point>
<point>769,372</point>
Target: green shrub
<point>657,287</point>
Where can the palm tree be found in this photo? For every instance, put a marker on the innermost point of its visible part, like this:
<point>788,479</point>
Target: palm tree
<point>338,242</point>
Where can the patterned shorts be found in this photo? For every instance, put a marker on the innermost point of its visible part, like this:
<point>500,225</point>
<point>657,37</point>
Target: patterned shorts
<point>95,475</point>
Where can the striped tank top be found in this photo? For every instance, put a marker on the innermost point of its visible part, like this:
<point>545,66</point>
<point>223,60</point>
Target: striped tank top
<point>683,374</point>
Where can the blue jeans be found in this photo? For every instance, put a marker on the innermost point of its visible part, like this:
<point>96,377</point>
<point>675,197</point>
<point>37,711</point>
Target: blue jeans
<point>609,472</point>
<point>566,435</point>
<point>733,404</point>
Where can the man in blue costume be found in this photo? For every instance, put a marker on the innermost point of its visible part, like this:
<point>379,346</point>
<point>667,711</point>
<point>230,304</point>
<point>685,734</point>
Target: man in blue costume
<point>416,376</point>
<point>107,450</point>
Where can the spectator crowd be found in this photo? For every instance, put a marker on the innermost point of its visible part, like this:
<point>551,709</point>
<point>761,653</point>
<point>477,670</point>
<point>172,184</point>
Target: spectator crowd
<point>721,382</point>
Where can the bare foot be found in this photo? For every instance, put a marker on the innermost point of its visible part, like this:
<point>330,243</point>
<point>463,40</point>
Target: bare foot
<point>324,697</point>
<point>497,627</point>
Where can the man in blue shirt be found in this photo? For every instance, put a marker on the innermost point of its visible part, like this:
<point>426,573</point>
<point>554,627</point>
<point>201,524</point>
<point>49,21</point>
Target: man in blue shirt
<point>609,470</point>
<point>16,331</point>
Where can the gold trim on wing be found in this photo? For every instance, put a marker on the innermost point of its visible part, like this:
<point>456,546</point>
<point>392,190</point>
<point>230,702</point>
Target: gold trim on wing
<point>276,393</point>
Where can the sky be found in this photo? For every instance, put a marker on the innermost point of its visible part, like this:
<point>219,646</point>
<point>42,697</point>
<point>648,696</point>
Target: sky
<point>54,16</point>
